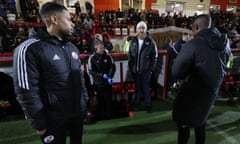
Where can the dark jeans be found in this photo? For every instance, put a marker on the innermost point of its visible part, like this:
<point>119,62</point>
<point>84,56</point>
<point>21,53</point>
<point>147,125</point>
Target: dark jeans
<point>58,130</point>
<point>142,88</point>
<point>184,133</point>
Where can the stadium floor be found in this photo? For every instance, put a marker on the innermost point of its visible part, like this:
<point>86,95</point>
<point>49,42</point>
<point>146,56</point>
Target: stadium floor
<point>143,128</point>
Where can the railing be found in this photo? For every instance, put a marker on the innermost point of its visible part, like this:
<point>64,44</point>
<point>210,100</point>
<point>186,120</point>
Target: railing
<point>120,78</point>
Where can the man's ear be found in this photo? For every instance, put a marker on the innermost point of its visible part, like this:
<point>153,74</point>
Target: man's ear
<point>196,27</point>
<point>53,19</point>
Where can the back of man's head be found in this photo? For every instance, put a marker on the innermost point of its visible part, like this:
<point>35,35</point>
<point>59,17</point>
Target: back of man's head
<point>203,21</point>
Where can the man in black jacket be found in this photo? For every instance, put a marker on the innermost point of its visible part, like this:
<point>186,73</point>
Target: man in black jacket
<point>102,68</point>
<point>142,60</point>
<point>49,81</point>
<point>201,65</point>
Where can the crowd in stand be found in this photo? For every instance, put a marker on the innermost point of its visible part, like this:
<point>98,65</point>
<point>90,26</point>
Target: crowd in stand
<point>86,24</point>
<point>111,18</point>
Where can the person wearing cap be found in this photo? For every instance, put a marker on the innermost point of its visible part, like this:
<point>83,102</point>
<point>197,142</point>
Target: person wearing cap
<point>107,43</point>
<point>142,60</point>
<point>102,68</point>
<point>48,78</point>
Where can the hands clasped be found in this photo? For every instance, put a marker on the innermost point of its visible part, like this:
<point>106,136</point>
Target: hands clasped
<point>108,78</point>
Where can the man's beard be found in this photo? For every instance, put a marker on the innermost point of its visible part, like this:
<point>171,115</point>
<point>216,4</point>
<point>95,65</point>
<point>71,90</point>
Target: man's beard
<point>65,36</point>
<point>142,36</point>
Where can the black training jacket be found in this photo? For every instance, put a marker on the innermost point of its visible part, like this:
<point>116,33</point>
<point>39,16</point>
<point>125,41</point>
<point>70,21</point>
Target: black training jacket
<point>48,79</point>
<point>99,64</point>
<point>144,60</point>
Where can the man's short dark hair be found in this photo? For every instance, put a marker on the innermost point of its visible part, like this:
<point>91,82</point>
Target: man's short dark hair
<point>50,8</point>
<point>204,21</point>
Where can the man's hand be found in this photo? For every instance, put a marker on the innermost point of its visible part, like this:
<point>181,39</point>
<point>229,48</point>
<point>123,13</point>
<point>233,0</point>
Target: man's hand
<point>105,76</point>
<point>110,81</point>
<point>41,132</point>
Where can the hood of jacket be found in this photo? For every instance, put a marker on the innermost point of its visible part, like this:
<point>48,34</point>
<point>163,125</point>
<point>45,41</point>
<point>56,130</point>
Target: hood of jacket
<point>214,38</point>
<point>41,33</point>
<point>38,33</point>
<point>101,55</point>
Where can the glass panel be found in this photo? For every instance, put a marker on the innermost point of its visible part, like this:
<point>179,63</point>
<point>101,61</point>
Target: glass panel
<point>177,7</point>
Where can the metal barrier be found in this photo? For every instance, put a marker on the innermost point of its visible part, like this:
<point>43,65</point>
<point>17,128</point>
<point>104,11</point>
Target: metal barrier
<point>120,78</point>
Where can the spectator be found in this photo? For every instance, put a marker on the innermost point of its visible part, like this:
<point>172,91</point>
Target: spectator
<point>178,45</point>
<point>168,45</point>
<point>77,7</point>
<point>85,47</point>
<point>107,43</point>
<point>3,12</point>
<point>20,36</point>
<point>33,15</point>
<point>142,59</point>
<point>77,41</point>
<point>89,7</point>
<point>102,68</point>
<point>3,33</point>
<point>234,40</point>
<point>12,5</point>
<point>201,64</point>
<point>88,23</point>
<point>127,41</point>
<point>49,81</point>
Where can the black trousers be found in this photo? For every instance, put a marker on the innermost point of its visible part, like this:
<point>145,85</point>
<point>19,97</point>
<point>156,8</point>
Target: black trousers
<point>104,101</point>
<point>184,133</point>
<point>58,130</point>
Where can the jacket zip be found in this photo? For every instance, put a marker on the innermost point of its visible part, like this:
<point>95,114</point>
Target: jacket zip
<point>65,54</point>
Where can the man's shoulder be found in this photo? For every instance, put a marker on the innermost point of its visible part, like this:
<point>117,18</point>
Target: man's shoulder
<point>29,42</point>
<point>149,38</point>
<point>25,45</point>
<point>195,42</point>
<point>92,56</point>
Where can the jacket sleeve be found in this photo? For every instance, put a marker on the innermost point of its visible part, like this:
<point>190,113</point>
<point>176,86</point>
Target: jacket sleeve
<point>182,64</point>
<point>154,56</point>
<point>130,58</point>
<point>26,82</point>
<point>112,68</point>
<point>84,92</point>
<point>91,69</point>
